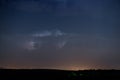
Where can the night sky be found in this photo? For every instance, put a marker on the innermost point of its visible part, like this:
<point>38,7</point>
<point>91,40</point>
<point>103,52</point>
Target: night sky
<point>60,34</point>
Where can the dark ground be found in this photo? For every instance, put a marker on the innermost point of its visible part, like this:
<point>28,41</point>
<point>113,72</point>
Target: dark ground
<point>50,74</point>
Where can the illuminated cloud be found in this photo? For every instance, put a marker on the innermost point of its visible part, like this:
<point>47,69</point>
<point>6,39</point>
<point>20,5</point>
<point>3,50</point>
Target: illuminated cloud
<point>59,33</point>
<point>43,34</point>
<point>47,33</point>
<point>53,37</point>
<point>61,44</point>
<point>30,45</point>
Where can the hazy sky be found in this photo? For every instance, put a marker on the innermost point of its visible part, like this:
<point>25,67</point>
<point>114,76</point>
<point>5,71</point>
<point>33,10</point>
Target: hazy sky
<point>60,34</point>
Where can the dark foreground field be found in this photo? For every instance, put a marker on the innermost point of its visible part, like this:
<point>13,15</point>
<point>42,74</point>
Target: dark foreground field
<point>46,74</point>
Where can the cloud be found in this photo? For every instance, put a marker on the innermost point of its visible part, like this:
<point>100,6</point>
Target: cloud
<point>58,33</point>
<point>47,33</point>
<point>30,45</point>
<point>55,38</point>
<point>43,34</point>
<point>62,44</point>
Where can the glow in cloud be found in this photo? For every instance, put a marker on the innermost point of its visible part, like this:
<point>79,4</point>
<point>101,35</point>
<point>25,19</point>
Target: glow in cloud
<point>30,45</point>
<point>43,34</point>
<point>58,33</point>
<point>55,33</point>
<point>62,44</point>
